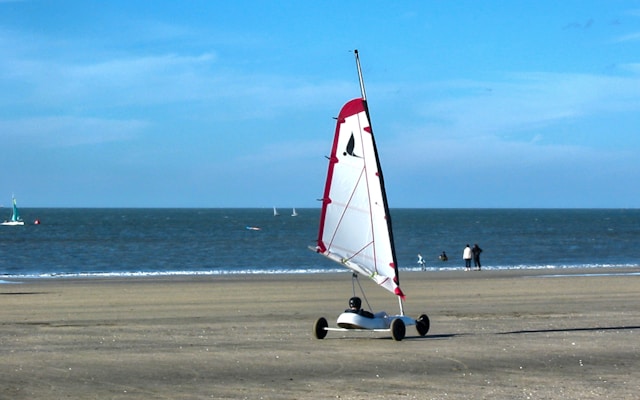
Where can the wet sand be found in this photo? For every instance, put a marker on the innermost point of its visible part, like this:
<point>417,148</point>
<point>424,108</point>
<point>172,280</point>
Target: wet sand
<point>494,335</point>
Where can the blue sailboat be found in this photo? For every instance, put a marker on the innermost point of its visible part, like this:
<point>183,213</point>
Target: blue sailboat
<point>15,216</point>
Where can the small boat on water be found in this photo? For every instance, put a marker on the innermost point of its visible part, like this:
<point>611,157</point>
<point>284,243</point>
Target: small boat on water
<point>15,216</point>
<point>294,213</point>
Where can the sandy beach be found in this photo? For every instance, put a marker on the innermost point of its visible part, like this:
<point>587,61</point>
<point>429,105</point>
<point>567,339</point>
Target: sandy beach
<point>494,335</point>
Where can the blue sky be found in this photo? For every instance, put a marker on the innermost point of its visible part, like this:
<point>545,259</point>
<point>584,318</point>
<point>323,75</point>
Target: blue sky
<point>231,104</point>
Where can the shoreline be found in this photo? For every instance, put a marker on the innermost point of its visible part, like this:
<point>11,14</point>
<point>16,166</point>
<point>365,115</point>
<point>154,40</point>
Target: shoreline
<point>404,275</point>
<point>435,273</point>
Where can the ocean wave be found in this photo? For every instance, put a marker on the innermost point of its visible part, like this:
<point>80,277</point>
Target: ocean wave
<point>276,271</point>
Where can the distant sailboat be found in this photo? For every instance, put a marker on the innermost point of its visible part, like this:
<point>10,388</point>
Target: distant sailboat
<point>275,212</point>
<point>15,216</point>
<point>294,213</point>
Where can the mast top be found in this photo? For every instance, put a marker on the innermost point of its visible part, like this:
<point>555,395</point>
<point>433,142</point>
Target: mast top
<point>362,91</point>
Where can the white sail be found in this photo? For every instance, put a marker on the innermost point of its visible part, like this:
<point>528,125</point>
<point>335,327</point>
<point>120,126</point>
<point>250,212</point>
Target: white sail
<point>355,227</point>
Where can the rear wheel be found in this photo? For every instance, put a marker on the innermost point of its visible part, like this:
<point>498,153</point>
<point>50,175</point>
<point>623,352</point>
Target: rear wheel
<point>398,329</point>
<point>319,331</point>
<point>423,324</point>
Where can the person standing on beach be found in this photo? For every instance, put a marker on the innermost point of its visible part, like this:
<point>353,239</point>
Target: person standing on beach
<point>466,256</point>
<point>421,261</point>
<point>476,256</point>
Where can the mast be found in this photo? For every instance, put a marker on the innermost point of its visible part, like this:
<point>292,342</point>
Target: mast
<point>364,93</point>
<point>384,193</point>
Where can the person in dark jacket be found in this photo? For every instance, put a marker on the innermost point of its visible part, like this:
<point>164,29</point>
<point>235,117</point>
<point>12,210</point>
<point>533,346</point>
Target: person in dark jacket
<point>475,251</point>
<point>355,306</point>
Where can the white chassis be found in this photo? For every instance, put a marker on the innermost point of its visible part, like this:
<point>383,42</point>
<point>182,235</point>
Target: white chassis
<point>381,322</point>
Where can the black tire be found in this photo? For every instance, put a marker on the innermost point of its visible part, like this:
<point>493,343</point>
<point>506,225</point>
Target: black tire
<point>319,331</point>
<point>423,324</point>
<point>398,329</point>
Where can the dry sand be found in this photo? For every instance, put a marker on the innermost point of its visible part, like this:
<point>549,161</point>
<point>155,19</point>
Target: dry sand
<point>494,335</point>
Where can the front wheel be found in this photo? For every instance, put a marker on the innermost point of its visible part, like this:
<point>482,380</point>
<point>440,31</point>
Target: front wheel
<point>319,331</point>
<point>398,329</point>
<point>423,325</point>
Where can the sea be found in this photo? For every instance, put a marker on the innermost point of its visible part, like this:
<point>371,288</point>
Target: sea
<point>161,242</point>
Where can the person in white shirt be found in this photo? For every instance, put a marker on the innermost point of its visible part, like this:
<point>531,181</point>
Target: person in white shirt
<point>466,256</point>
<point>421,262</point>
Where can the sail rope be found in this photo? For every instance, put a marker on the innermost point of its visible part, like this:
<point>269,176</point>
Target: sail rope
<point>354,280</point>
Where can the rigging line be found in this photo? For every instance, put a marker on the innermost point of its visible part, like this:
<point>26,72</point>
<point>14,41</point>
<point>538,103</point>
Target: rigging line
<point>362,131</point>
<point>344,210</point>
<point>346,205</point>
<point>363,92</point>
<point>339,249</point>
<point>361,250</point>
<point>354,278</point>
<point>380,175</point>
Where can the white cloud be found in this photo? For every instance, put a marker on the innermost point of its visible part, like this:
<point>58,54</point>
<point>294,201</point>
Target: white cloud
<point>630,37</point>
<point>67,131</point>
<point>525,101</point>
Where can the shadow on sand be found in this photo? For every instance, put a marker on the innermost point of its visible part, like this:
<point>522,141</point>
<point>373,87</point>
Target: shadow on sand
<point>595,329</point>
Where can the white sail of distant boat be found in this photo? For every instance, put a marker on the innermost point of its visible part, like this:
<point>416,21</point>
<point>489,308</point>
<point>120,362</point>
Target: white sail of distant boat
<point>355,223</point>
<point>275,212</point>
<point>15,216</point>
<point>294,213</point>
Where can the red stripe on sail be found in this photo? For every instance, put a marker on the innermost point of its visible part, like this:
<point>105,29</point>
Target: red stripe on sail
<point>352,107</point>
<point>398,292</point>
